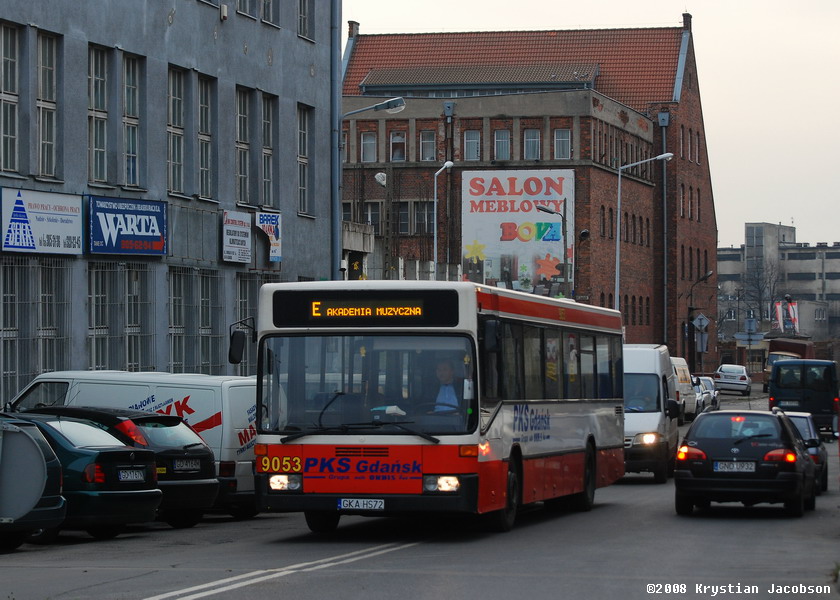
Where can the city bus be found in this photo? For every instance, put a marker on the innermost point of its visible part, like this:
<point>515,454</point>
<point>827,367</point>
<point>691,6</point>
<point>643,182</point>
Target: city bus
<point>349,419</point>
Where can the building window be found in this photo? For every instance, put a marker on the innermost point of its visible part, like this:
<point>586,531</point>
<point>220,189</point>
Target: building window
<point>131,121</point>
<point>368,147</point>
<point>612,225</point>
<point>424,215</point>
<point>248,7</point>
<point>472,145</point>
<point>603,222</point>
<point>195,341</point>
<point>268,104</point>
<point>697,148</point>
<point>532,144</point>
<point>343,157</point>
<point>269,11</point>
<point>690,203</point>
<point>303,158</point>
<point>205,137</point>
<point>397,146</point>
<point>9,98</point>
<point>697,205</point>
<point>682,141</point>
<point>501,144</point>
<point>428,145</point>
<point>46,104</point>
<point>682,200</point>
<point>175,132</point>
<point>243,146</point>
<point>690,142</point>
<point>562,144</point>
<point>97,115</point>
<point>305,18</point>
<point>371,216</point>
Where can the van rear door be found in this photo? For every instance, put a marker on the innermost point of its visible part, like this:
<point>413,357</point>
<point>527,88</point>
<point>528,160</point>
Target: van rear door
<point>806,386</point>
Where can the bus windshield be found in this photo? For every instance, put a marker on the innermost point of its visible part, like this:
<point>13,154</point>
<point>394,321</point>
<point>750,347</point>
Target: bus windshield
<point>390,384</point>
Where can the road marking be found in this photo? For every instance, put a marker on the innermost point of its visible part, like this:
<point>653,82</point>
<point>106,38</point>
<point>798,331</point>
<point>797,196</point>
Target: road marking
<point>231,583</point>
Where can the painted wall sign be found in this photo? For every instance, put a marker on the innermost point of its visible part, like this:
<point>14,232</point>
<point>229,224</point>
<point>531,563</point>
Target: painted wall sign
<point>269,223</point>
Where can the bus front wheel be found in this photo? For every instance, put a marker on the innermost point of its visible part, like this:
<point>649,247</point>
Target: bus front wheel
<point>321,521</point>
<point>503,520</point>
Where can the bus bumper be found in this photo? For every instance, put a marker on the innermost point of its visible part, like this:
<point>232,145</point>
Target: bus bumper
<point>465,500</point>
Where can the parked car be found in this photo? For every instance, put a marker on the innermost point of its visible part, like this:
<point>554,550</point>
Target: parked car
<point>733,378</point>
<point>813,441</point>
<point>186,470</point>
<point>748,456</point>
<point>709,384</point>
<point>30,483</point>
<point>702,398</point>
<point>107,484</point>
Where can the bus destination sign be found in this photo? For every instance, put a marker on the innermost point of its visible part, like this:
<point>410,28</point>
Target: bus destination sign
<point>416,308</point>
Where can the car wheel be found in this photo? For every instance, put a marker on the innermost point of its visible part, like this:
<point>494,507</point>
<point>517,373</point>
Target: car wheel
<point>811,501</point>
<point>182,519</point>
<point>105,532</point>
<point>322,521</point>
<point>43,536</point>
<point>683,504</point>
<point>660,474</point>
<point>746,392</point>
<point>10,541</point>
<point>681,417</point>
<point>795,507</point>
<point>824,479</point>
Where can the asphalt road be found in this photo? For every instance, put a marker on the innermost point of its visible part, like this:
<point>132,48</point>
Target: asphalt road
<point>632,545</point>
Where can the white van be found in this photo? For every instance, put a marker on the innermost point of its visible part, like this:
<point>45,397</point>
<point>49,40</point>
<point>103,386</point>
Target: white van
<point>685,391</point>
<point>222,409</point>
<point>651,432</point>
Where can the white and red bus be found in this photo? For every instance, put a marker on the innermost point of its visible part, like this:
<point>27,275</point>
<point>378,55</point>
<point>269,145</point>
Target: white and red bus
<point>347,415</point>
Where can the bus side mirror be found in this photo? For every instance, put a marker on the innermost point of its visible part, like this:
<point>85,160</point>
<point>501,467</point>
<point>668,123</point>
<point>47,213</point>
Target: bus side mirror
<point>237,346</point>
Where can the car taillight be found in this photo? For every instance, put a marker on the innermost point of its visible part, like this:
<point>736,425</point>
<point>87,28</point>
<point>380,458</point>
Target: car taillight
<point>743,378</point>
<point>771,402</point>
<point>131,430</point>
<point>690,453</point>
<point>717,375</point>
<point>780,455</point>
<point>93,473</point>
<point>227,468</point>
<point>816,458</point>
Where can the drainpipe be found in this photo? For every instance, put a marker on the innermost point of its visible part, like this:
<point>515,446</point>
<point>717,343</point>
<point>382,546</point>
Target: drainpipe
<point>664,121</point>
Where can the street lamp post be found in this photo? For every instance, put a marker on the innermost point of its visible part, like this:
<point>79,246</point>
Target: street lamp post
<point>392,106</point>
<point>621,169</point>
<point>447,165</point>
<point>562,215</point>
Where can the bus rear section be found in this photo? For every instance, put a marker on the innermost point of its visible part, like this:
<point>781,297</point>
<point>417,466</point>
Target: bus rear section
<point>404,398</point>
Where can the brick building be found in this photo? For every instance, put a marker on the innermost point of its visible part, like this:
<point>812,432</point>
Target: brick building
<point>528,119</point>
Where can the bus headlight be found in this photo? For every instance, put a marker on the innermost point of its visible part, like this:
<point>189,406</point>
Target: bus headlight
<point>441,483</point>
<point>285,483</point>
<point>645,439</point>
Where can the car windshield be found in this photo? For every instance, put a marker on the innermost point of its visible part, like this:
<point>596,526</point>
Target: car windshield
<point>82,434</point>
<point>382,383</point>
<point>641,392</point>
<point>735,427</point>
<point>168,433</point>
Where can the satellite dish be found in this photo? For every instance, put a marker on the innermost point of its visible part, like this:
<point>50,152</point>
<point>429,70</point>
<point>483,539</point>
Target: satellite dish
<point>381,179</point>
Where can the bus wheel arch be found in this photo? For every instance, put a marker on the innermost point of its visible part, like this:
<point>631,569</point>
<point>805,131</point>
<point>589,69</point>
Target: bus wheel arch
<point>503,520</point>
<point>584,500</point>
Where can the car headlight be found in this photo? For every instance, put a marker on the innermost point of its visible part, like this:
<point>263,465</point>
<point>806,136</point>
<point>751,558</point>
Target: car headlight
<point>285,483</point>
<point>441,483</point>
<point>645,439</point>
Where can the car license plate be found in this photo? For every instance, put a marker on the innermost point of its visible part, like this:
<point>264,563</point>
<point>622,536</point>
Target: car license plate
<point>788,403</point>
<point>187,464</point>
<point>361,504</point>
<point>726,466</point>
<point>131,475</point>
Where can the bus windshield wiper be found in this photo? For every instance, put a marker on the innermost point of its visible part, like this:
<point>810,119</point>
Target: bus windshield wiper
<point>318,429</point>
<point>402,425</point>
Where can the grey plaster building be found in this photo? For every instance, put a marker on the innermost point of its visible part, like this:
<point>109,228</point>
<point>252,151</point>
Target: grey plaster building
<point>159,160</point>
<point>768,274</point>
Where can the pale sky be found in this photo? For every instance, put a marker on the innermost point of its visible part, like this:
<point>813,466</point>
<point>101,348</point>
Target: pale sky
<point>768,81</point>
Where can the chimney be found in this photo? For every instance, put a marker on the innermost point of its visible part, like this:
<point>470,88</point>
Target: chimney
<point>353,29</point>
<point>687,21</point>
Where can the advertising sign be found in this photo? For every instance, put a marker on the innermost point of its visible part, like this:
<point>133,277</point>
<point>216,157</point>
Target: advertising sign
<point>236,237</point>
<point>505,235</point>
<point>41,222</point>
<point>269,223</point>
<point>121,226</point>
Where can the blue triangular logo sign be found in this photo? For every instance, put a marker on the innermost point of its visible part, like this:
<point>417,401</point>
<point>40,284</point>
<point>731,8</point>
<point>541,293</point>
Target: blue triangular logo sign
<point>19,234</point>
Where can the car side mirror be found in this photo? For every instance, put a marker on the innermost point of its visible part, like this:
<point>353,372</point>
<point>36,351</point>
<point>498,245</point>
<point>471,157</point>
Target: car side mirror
<point>672,409</point>
<point>812,443</point>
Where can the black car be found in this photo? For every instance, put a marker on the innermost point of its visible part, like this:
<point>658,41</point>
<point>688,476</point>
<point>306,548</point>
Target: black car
<point>30,483</point>
<point>816,448</point>
<point>186,471</point>
<point>107,484</point>
<point>747,456</point>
